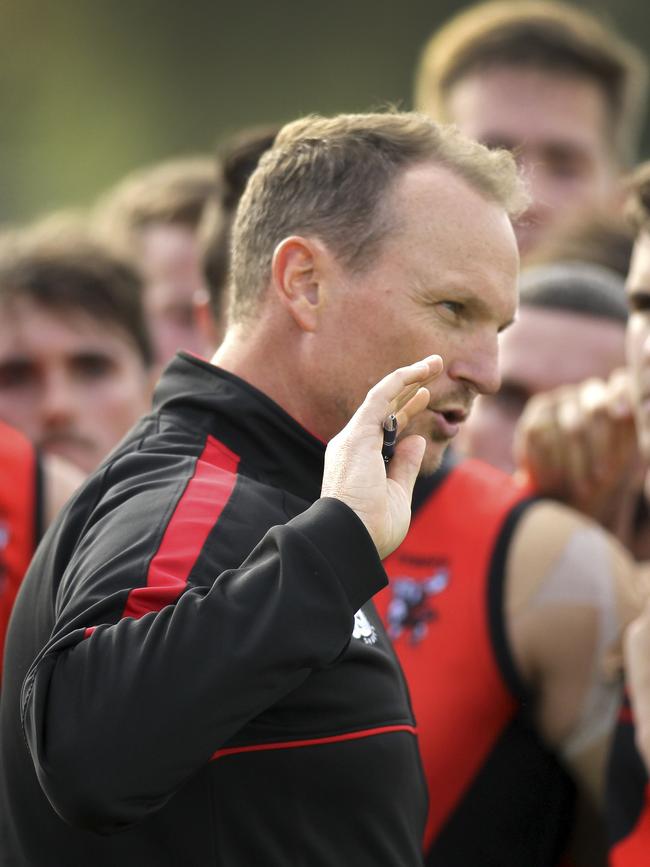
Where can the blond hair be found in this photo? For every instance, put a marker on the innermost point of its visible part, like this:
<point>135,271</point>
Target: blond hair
<point>173,192</point>
<point>329,177</point>
<point>540,34</point>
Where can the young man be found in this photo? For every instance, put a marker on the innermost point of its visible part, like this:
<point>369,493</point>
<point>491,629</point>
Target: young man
<point>153,216</point>
<point>607,421</point>
<point>202,619</point>
<point>568,310</point>
<point>552,83</point>
<point>75,354</point>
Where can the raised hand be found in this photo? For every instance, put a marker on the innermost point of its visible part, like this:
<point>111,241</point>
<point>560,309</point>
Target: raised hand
<point>578,444</point>
<point>355,472</point>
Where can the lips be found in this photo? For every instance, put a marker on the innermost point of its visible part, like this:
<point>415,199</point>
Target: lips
<point>448,420</point>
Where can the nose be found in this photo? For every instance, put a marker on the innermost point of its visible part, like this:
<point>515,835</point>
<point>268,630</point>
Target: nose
<point>58,403</point>
<point>542,191</point>
<point>477,366</point>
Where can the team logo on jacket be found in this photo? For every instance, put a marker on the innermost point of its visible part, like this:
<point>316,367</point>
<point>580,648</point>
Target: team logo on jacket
<point>364,629</point>
<point>410,609</point>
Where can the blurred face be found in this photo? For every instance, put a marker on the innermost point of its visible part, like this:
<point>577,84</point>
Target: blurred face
<point>638,338</point>
<point>557,126</point>
<point>171,266</point>
<point>443,281</point>
<point>72,384</point>
<point>541,351</point>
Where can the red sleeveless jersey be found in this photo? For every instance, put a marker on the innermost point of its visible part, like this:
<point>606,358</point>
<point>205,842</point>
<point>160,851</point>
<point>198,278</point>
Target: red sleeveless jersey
<point>487,771</point>
<point>19,516</point>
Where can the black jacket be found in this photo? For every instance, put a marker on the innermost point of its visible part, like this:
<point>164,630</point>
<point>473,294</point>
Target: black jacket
<point>182,660</point>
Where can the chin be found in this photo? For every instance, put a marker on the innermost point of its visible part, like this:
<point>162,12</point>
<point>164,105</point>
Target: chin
<point>433,455</point>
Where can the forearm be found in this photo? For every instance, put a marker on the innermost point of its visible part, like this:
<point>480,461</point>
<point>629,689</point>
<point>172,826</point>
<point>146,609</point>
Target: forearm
<point>118,720</point>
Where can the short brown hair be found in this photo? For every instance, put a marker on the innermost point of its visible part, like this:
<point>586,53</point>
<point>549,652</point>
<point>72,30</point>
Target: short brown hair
<point>637,206</point>
<point>541,34</point>
<point>173,192</point>
<point>60,267</point>
<point>328,177</point>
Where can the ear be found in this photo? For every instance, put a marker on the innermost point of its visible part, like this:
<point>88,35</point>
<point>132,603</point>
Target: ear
<point>211,329</point>
<point>297,271</point>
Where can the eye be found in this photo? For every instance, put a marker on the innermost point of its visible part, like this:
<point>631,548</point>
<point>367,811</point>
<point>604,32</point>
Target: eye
<point>639,302</point>
<point>454,307</point>
<point>93,366</point>
<point>17,373</point>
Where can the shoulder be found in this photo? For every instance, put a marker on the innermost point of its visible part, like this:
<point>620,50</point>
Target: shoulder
<point>552,538</point>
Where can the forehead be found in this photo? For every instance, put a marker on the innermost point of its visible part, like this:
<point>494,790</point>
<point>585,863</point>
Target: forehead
<point>547,348</point>
<point>444,230</point>
<point>27,328</point>
<point>515,106</point>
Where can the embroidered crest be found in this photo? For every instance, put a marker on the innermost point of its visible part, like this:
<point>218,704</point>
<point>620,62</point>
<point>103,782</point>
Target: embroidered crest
<point>410,608</point>
<point>364,629</point>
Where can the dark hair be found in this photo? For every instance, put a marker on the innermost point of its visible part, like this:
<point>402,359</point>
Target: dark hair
<point>575,287</point>
<point>238,157</point>
<point>61,268</point>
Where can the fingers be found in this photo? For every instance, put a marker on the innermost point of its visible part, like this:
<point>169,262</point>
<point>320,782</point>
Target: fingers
<point>394,392</point>
<point>415,405</point>
<point>405,465</point>
<point>577,442</point>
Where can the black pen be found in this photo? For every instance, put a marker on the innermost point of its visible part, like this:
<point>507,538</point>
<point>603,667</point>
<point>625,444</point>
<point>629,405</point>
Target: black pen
<point>390,437</point>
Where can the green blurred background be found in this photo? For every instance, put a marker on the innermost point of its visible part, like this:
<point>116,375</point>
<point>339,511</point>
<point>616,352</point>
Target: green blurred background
<point>90,89</point>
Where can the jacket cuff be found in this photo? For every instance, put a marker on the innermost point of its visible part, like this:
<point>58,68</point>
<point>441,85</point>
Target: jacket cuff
<point>342,539</point>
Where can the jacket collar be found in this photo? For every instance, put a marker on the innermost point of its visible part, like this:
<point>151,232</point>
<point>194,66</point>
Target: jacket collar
<point>272,445</point>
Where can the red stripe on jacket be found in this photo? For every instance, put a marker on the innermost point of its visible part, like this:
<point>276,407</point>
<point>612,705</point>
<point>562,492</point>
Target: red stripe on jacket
<point>312,742</point>
<point>195,515</point>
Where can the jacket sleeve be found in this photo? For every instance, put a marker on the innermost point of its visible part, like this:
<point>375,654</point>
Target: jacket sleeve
<point>118,716</point>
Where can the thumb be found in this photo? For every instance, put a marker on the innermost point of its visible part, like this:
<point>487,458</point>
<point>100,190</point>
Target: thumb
<point>406,462</point>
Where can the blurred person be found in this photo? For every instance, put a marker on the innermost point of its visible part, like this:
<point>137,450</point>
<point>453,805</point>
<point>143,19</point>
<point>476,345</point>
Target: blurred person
<point>33,488</point>
<point>153,215</point>
<point>75,354</point>
<point>474,584</point>
<point>238,156</point>
<point>551,82</point>
<point>583,437</point>
<point>203,611</point>
<point>570,325</point>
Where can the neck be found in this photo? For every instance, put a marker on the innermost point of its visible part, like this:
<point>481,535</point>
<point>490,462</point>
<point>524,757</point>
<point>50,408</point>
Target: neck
<point>270,362</point>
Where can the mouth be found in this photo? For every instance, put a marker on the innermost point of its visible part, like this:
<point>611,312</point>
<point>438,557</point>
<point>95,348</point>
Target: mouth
<point>448,421</point>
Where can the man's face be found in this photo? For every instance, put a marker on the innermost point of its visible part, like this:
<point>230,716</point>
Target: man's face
<point>443,281</point>
<point>541,351</point>
<point>557,126</point>
<point>71,383</point>
<point>171,267</point>
<point>638,338</point>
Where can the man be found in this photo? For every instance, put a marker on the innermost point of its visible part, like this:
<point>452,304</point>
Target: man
<point>197,647</point>
<point>32,490</point>
<point>479,542</point>
<point>550,82</point>
<point>569,310</point>
<point>594,419</point>
<point>153,215</point>
<point>75,355</point>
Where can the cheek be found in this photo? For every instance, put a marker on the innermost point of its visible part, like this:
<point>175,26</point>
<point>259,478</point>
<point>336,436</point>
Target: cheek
<point>118,401</point>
